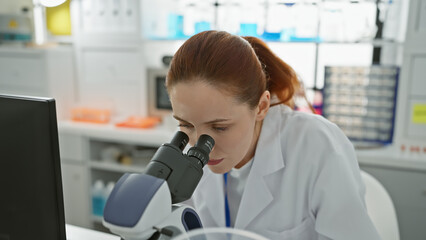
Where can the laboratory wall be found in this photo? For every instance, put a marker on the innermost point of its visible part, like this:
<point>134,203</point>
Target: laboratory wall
<point>101,76</point>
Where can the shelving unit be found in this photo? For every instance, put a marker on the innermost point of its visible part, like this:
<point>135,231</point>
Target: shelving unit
<point>113,167</point>
<point>401,167</point>
<point>84,161</point>
<point>98,39</point>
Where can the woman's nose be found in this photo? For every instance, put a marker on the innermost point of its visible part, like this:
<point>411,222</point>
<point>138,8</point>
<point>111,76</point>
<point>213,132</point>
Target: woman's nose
<point>198,135</point>
<point>193,137</point>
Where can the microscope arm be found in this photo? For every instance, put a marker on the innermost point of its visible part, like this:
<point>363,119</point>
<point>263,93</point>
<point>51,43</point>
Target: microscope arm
<point>140,205</point>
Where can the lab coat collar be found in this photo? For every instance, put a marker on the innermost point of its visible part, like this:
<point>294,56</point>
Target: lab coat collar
<point>257,195</point>
<point>268,159</point>
<point>269,143</point>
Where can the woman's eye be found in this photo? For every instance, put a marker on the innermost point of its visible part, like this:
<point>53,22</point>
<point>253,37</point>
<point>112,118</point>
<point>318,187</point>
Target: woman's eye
<point>220,129</point>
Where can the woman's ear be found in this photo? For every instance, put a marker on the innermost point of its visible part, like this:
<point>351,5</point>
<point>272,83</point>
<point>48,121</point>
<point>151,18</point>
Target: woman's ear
<point>263,106</point>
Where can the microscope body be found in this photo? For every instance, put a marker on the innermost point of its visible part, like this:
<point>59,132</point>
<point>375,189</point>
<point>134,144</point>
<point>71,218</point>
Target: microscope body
<point>144,206</point>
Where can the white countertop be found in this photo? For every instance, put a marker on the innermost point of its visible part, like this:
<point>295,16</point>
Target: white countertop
<point>388,156</point>
<point>79,233</point>
<point>151,136</point>
<point>391,156</point>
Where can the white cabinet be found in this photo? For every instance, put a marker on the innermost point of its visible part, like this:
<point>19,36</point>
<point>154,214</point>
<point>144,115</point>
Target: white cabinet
<point>109,58</point>
<point>410,128</point>
<point>39,72</point>
<point>415,121</point>
<point>120,66</point>
<point>23,72</point>
<point>407,188</point>
<point>71,147</point>
<point>75,182</point>
<point>91,152</point>
<point>112,78</point>
<point>418,77</point>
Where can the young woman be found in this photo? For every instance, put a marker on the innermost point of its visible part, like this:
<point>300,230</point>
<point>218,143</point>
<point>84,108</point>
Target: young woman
<point>273,171</point>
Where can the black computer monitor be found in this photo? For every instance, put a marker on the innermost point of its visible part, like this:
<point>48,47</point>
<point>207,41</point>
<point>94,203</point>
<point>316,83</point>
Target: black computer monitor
<point>31,200</point>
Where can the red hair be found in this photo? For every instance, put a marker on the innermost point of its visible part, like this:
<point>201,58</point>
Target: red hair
<point>242,66</point>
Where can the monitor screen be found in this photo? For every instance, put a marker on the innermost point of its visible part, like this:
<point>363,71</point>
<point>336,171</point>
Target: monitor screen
<point>31,200</point>
<point>162,96</point>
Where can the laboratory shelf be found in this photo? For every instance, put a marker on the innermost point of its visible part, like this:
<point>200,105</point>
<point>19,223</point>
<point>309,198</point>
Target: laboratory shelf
<point>375,42</point>
<point>117,167</point>
<point>150,137</point>
<point>97,219</point>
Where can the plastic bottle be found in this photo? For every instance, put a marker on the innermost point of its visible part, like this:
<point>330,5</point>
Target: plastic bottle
<point>274,19</point>
<point>98,198</point>
<point>228,16</point>
<point>252,17</point>
<point>204,18</point>
<point>108,190</point>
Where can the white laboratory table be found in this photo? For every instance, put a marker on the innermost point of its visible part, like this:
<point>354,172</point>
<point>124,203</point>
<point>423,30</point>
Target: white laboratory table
<point>79,233</point>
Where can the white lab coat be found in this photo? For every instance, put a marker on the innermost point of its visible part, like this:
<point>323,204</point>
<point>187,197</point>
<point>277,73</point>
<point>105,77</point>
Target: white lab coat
<point>304,183</point>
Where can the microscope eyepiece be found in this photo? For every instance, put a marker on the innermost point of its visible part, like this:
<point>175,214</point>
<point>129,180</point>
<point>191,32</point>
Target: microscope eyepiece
<point>202,149</point>
<point>180,140</point>
<point>181,171</point>
<point>206,143</point>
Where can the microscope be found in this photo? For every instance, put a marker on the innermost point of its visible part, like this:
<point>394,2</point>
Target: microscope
<point>145,206</point>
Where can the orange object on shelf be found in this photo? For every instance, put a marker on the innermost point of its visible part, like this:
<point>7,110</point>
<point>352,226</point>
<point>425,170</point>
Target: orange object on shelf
<point>91,115</point>
<point>139,122</point>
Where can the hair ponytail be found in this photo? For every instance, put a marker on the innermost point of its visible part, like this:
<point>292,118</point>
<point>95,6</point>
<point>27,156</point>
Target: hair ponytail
<point>281,79</point>
<point>242,68</point>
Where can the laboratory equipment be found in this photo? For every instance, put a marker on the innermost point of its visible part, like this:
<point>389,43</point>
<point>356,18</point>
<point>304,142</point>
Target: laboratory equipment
<point>347,21</point>
<point>92,115</point>
<point>14,27</point>
<point>100,193</point>
<point>158,99</point>
<point>228,16</point>
<point>144,206</point>
<point>306,21</point>
<point>273,19</point>
<point>199,16</point>
<point>361,101</point>
<point>251,18</point>
<point>166,22</point>
<point>98,198</point>
<point>288,28</point>
<point>31,202</point>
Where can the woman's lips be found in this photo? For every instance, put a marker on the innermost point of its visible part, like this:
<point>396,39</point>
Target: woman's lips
<point>214,161</point>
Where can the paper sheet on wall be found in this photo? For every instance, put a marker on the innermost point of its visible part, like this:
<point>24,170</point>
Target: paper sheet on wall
<point>419,113</point>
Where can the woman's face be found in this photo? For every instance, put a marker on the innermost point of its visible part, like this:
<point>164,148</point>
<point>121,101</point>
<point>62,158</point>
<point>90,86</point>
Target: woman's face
<point>203,109</point>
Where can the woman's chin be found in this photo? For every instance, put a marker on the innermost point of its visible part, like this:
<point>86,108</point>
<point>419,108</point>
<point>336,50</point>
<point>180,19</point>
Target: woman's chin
<point>218,169</point>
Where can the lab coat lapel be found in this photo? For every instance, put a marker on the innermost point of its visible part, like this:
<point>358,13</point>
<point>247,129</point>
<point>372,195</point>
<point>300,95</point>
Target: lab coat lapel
<point>214,198</point>
<point>267,159</point>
